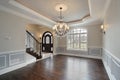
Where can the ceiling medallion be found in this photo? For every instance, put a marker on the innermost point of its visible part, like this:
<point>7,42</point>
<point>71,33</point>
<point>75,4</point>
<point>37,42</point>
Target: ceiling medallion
<point>61,28</point>
<point>57,7</point>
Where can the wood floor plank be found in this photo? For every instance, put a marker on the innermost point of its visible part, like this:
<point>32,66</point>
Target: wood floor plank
<point>60,68</point>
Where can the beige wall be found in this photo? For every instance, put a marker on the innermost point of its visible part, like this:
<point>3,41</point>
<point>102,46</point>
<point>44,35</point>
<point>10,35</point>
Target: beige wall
<point>112,24</point>
<point>12,42</point>
<point>12,32</point>
<point>94,36</point>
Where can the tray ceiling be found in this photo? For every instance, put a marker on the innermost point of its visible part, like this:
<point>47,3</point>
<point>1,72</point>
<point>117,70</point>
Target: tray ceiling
<point>76,9</point>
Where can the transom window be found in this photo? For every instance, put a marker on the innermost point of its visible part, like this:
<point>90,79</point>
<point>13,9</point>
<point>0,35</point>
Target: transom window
<point>77,39</point>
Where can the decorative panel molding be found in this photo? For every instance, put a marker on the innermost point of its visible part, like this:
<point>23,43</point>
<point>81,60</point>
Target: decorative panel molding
<point>16,58</point>
<point>60,49</point>
<point>112,65</point>
<point>12,60</point>
<point>94,51</point>
<point>2,61</point>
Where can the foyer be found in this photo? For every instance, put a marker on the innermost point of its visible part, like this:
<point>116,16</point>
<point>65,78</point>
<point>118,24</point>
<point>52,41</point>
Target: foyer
<point>31,48</point>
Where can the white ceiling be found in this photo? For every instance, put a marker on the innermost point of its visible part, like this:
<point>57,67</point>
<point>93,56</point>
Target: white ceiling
<point>76,9</point>
<point>43,12</point>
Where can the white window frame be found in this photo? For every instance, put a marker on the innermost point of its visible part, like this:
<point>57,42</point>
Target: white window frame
<point>74,33</point>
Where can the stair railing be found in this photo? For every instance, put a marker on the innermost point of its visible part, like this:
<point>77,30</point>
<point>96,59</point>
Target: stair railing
<point>32,45</point>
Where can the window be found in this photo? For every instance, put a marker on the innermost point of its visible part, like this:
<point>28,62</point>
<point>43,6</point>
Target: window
<point>77,39</point>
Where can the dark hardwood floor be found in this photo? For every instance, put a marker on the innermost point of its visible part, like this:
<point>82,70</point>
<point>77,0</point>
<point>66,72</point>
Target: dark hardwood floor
<point>60,68</point>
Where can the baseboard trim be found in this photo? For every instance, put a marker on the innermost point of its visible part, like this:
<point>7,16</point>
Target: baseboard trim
<point>46,57</point>
<point>86,56</point>
<point>111,77</point>
<point>9,69</point>
<point>30,61</point>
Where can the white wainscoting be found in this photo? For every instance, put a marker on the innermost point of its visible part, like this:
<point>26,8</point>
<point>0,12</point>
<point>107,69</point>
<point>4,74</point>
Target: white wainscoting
<point>12,60</point>
<point>112,65</point>
<point>16,58</point>
<point>92,52</point>
<point>2,61</point>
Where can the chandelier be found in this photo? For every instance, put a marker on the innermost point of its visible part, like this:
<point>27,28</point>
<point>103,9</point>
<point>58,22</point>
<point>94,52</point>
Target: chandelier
<point>61,28</point>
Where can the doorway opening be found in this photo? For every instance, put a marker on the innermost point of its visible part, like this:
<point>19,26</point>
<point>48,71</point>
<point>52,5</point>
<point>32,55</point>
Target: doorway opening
<point>47,42</point>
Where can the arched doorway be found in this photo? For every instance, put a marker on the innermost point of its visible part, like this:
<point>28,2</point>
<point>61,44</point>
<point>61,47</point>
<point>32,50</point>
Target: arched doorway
<point>47,42</point>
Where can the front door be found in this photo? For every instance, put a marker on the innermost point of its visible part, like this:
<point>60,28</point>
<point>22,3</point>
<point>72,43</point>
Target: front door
<point>47,42</point>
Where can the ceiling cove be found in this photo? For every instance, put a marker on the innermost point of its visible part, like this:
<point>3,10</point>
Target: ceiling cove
<point>76,9</point>
<point>79,12</point>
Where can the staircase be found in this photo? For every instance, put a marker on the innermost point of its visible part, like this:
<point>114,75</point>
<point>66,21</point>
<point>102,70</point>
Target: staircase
<point>33,46</point>
<point>33,53</point>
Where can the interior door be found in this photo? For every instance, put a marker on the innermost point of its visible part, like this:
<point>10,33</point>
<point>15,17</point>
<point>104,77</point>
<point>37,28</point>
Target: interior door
<point>47,42</point>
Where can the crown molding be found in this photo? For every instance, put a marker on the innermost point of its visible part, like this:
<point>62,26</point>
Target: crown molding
<point>29,14</point>
<point>8,10</point>
<point>21,6</point>
<point>79,20</point>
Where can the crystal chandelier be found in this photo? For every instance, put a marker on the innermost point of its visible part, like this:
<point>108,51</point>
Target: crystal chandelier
<point>61,28</point>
